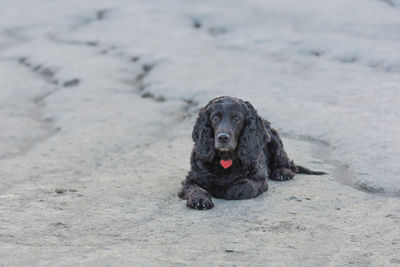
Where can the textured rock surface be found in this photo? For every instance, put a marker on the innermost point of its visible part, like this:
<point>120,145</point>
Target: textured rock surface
<point>97,103</point>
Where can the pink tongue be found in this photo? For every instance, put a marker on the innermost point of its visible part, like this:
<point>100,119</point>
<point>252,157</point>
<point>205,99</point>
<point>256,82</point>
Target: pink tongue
<point>226,163</point>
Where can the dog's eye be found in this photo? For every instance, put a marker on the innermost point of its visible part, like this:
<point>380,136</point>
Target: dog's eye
<point>215,118</point>
<point>236,119</point>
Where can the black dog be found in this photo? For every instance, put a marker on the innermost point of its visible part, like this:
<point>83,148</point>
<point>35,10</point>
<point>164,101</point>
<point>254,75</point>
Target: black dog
<point>234,153</point>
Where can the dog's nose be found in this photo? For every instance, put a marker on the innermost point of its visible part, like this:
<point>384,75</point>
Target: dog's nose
<point>223,137</point>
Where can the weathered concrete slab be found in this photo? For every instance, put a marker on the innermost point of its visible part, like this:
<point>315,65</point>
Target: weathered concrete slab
<point>97,103</point>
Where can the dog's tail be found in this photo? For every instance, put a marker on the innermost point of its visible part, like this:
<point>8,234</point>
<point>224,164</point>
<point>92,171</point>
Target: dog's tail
<point>301,169</point>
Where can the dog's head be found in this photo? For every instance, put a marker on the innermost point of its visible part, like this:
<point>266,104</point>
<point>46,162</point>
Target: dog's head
<point>229,126</point>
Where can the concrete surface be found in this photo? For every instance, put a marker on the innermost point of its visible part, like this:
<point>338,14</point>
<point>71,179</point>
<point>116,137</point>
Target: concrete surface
<point>97,104</point>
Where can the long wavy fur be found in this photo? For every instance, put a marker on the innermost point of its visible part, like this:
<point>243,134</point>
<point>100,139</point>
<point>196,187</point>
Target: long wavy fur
<point>253,139</point>
<point>203,137</point>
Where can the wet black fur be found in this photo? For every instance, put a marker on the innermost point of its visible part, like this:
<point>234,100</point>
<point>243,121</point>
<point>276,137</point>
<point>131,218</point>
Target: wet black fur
<point>259,155</point>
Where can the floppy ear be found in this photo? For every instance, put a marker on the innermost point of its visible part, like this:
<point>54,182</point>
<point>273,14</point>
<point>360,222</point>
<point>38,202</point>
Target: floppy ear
<point>254,137</point>
<point>203,137</point>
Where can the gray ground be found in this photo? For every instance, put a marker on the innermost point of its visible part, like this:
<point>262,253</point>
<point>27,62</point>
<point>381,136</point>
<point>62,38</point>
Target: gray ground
<point>97,104</point>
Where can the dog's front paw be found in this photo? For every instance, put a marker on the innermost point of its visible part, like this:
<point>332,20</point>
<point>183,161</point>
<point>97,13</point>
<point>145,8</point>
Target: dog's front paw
<point>282,174</point>
<point>199,202</point>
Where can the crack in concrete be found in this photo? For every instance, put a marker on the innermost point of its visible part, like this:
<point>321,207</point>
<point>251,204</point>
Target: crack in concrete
<point>342,171</point>
<point>380,65</point>
<point>45,123</point>
<point>15,34</point>
<point>212,30</point>
<point>53,37</point>
<point>99,15</point>
<point>36,114</point>
<point>390,3</point>
<point>353,59</point>
<point>138,82</point>
<point>190,108</point>
<point>141,85</point>
<point>196,23</point>
<point>47,73</point>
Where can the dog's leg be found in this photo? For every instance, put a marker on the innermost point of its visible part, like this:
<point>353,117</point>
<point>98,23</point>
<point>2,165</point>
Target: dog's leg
<point>245,189</point>
<point>196,197</point>
<point>282,169</point>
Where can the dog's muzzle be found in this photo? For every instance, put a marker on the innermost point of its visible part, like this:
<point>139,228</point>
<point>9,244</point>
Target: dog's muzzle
<point>223,142</point>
